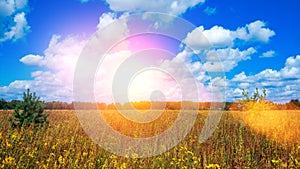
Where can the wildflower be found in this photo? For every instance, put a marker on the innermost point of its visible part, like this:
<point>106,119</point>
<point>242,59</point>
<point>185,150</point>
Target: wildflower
<point>61,160</point>
<point>8,145</point>
<point>284,165</point>
<point>9,161</point>
<point>190,152</point>
<point>105,164</point>
<point>31,154</point>
<point>276,161</point>
<point>213,166</point>
<point>123,166</point>
<point>14,137</point>
<point>53,147</point>
<point>84,154</point>
<point>297,162</point>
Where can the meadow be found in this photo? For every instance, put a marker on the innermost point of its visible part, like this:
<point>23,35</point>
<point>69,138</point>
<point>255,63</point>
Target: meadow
<point>269,139</point>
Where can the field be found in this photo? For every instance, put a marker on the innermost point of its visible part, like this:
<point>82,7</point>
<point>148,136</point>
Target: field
<point>268,139</point>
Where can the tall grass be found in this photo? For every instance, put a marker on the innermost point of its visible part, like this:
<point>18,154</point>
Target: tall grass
<point>235,144</point>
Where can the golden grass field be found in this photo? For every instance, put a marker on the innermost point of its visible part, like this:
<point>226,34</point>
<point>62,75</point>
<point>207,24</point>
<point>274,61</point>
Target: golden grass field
<point>269,139</point>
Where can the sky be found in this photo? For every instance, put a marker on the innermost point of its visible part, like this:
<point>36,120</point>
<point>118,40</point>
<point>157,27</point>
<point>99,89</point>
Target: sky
<point>251,44</point>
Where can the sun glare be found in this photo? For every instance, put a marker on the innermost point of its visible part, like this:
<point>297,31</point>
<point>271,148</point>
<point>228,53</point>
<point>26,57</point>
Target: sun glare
<point>152,85</point>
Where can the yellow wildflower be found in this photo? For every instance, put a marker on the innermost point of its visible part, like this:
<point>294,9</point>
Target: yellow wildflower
<point>213,166</point>
<point>276,161</point>
<point>61,160</point>
<point>84,154</point>
<point>31,154</point>
<point>123,166</point>
<point>9,161</point>
<point>8,145</point>
<point>284,165</point>
<point>190,152</point>
<point>297,162</point>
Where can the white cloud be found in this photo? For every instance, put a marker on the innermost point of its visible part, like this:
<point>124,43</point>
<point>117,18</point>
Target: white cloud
<point>20,4</point>
<point>293,62</point>
<point>167,6</point>
<point>17,31</point>
<point>6,8</point>
<point>280,84</point>
<point>219,82</point>
<point>13,12</point>
<point>224,60</point>
<point>210,11</point>
<point>215,37</point>
<point>33,60</point>
<point>54,79</point>
<point>268,74</point>
<point>268,54</point>
<point>106,19</point>
<point>219,37</point>
<point>292,68</point>
<point>255,31</point>
<point>241,77</point>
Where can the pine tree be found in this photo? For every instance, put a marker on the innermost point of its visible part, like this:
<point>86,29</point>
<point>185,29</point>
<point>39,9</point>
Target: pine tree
<point>29,111</point>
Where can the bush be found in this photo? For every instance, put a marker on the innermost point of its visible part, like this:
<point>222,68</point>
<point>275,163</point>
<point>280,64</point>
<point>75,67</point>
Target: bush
<point>29,111</point>
<point>256,102</point>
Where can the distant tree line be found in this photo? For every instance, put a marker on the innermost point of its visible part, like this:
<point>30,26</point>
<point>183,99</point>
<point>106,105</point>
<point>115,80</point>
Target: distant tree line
<point>145,105</point>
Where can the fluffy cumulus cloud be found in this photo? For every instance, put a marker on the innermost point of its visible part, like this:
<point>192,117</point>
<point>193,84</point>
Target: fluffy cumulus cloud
<point>219,37</point>
<point>54,78</point>
<point>256,31</point>
<point>13,20</point>
<point>167,6</point>
<point>268,54</point>
<point>33,60</point>
<point>224,60</point>
<point>218,48</point>
<point>106,19</point>
<point>280,84</point>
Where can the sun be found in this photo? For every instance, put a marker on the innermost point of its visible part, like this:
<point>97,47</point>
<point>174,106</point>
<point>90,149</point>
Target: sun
<point>152,84</point>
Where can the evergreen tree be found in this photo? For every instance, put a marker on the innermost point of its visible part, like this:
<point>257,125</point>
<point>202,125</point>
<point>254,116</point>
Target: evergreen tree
<point>29,111</point>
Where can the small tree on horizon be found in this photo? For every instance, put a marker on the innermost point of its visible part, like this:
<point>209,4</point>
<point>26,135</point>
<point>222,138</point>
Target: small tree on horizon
<point>258,101</point>
<point>29,111</point>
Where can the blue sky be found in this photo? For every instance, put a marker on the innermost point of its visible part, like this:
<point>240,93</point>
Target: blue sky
<point>257,41</point>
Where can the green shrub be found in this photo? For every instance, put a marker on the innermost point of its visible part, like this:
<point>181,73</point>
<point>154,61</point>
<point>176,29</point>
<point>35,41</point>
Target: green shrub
<point>29,111</point>
<point>257,101</point>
